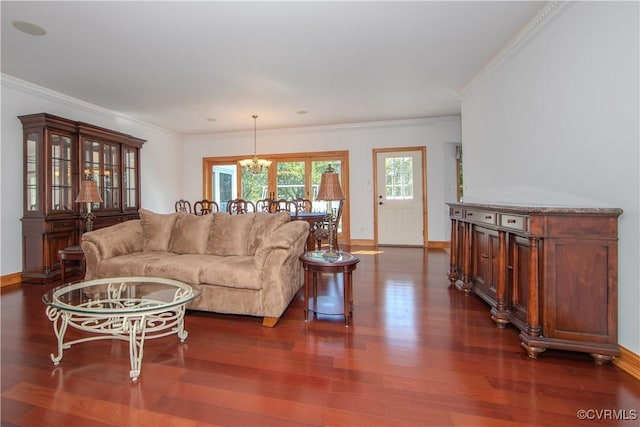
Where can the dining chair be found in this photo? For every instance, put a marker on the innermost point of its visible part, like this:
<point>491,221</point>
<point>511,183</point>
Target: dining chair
<point>303,205</point>
<point>240,206</point>
<point>204,207</point>
<point>321,232</point>
<point>263,205</point>
<point>183,206</point>
<point>283,205</point>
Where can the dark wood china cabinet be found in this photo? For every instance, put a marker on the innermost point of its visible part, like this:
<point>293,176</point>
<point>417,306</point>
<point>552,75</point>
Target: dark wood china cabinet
<point>549,271</point>
<point>58,154</point>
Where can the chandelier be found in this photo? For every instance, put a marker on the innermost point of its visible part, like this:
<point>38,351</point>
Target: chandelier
<point>255,165</point>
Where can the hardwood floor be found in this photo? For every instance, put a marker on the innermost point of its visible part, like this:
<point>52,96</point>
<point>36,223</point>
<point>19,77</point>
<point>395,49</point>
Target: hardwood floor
<point>417,354</point>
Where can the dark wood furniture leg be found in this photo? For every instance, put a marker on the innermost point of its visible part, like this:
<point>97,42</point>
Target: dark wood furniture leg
<point>71,253</point>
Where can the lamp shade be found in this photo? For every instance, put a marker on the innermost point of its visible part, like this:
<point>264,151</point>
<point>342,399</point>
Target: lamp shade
<point>88,192</point>
<point>330,186</point>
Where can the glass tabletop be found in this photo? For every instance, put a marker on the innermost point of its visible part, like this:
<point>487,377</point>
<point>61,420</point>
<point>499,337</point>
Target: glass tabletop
<point>320,257</point>
<point>121,295</point>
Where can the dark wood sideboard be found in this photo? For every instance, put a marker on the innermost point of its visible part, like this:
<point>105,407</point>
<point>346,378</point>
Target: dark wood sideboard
<point>58,154</point>
<point>549,271</point>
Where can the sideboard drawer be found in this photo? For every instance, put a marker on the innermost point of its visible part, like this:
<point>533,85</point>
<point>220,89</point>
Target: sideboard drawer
<point>514,222</point>
<point>456,212</point>
<point>481,216</point>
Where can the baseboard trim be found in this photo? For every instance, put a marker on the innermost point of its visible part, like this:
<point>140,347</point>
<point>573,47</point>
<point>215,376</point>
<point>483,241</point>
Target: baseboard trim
<point>628,362</point>
<point>445,244</point>
<point>439,244</point>
<point>10,279</point>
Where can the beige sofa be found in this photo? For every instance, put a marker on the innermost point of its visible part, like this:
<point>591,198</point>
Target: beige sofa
<point>241,264</point>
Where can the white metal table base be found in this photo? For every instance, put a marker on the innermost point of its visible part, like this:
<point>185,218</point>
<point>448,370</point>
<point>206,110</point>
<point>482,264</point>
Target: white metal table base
<point>133,327</point>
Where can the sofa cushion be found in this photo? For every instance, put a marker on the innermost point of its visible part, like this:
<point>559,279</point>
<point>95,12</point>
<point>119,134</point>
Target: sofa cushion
<point>185,268</point>
<point>262,227</point>
<point>231,272</point>
<point>131,264</point>
<point>229,234</point>
<point>156,229</point>
<point>190,234</point>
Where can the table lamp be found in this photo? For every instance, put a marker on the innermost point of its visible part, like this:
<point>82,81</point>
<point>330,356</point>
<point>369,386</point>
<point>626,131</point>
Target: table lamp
<point>88,194</point>
<point>330,190</point>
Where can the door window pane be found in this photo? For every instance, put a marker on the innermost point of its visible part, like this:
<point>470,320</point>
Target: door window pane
<point>399,178</point>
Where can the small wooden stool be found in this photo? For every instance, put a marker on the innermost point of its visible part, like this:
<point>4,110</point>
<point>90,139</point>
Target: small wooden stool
<point>71,253</point>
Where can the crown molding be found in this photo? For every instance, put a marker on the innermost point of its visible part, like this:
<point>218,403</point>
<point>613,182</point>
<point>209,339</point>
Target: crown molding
<point>41,91</point>
<point>416,121</point>
<point>32,88</point>
<point>537,22</point>
<point>25,86</point>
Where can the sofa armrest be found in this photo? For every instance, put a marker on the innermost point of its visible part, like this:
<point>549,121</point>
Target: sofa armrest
<point>282,237</point>
<point>109,242</point>
<point>282,273</point>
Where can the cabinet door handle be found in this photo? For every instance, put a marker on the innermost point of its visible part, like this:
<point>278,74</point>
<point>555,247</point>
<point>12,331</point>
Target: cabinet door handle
<point>488,217</point>
<point>485,256</point>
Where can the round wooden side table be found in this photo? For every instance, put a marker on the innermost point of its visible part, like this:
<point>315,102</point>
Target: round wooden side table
<point>313,263</point>
<point>71,253</point>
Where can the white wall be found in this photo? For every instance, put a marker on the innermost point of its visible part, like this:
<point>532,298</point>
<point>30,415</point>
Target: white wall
<point>171,164</point>
<point>161,157</point>
<point>557,122</point>
<point>437,134</point>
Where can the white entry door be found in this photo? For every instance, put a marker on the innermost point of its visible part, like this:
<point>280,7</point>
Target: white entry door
<point>400,200</point>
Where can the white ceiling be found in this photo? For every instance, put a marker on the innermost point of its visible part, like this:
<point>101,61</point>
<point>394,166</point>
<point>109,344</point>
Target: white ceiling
<point>177,64</point>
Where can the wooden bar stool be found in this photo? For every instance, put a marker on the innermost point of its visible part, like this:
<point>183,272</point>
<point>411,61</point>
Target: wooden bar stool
<point>71,253</point>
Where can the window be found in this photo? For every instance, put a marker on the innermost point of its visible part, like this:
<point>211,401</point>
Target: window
<point>459,181</point>
<point>290,180</point>
<point>223,185</point>
<point>290,176</point>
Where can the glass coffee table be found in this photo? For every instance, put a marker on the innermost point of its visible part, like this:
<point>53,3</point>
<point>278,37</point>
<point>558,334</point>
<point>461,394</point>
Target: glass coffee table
<point>126,308</point>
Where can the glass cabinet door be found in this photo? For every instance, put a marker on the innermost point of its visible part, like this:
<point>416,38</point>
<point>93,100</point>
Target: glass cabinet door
<point>61,197</point>
<point>91,164</point>
<point>111,179</point>
<point>130,178</point>
<point>32,188</point>
<point>101,161</point>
